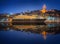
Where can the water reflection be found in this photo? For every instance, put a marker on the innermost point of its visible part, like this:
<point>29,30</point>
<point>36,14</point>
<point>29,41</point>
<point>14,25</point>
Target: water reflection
<point>43,29</point>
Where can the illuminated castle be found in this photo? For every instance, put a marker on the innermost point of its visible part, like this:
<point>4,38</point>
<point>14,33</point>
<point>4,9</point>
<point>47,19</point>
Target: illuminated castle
<point>44,9</point>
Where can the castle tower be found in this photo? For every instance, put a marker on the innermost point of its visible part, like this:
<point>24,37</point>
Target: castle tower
<point>43,9</point>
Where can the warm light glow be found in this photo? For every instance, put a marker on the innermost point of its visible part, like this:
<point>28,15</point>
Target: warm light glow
<point>25,17</point>
<point>25,26</point>
<point>44,9</point>
<point>44,34</point>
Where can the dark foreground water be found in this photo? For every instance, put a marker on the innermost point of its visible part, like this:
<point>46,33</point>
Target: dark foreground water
<point>30,34</point>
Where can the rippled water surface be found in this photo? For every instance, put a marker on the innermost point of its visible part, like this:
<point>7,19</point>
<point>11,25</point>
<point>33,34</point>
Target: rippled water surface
<point>30,34</point>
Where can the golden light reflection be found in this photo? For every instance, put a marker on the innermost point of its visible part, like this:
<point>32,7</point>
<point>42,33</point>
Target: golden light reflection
<point>44,34</point>
<point>25,26</point>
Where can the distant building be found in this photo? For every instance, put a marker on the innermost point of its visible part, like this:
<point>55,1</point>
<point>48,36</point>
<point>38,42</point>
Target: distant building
<point>44,9</point>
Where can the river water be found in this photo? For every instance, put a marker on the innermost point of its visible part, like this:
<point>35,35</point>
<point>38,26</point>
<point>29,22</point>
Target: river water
<point>30,34</point>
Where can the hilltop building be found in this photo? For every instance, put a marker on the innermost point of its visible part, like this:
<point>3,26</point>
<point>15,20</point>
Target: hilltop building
<point>44,9</point>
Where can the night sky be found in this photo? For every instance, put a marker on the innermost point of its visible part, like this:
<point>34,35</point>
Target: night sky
<point>16,6</point>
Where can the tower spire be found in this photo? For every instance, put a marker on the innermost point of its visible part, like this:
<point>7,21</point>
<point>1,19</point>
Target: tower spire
<point>43,9</point>
<point>44,6</point>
